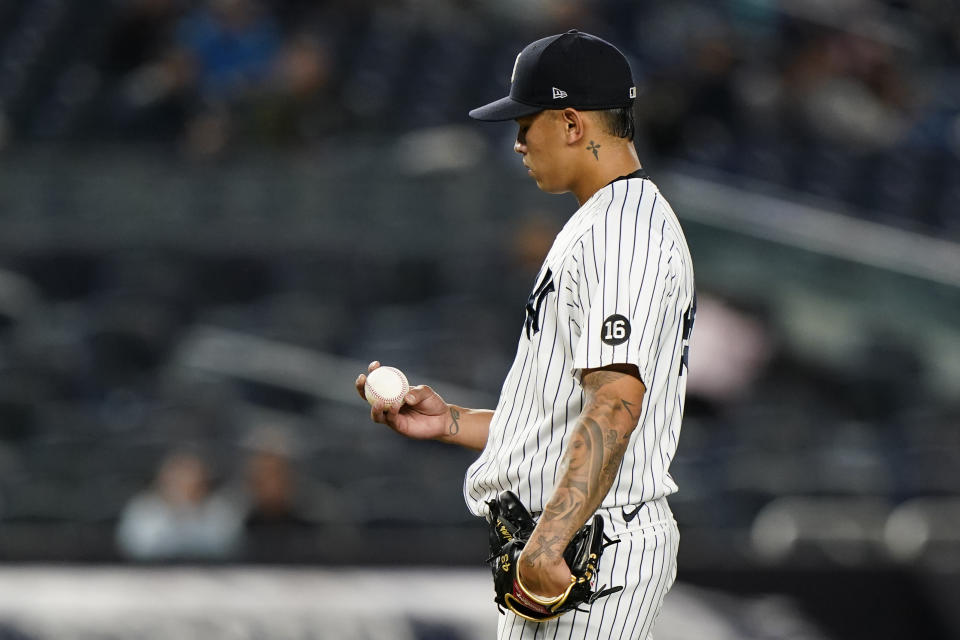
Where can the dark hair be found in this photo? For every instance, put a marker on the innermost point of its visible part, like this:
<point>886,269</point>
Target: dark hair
<point>618,122</point>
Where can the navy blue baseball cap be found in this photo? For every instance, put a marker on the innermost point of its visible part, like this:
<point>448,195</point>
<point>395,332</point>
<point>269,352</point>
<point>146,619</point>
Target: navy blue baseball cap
<point>572,69</point>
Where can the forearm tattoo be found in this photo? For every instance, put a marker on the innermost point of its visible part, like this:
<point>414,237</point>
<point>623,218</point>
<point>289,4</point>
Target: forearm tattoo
<point>454,427</point>
<point>589,466</point>
<point>543,546</point>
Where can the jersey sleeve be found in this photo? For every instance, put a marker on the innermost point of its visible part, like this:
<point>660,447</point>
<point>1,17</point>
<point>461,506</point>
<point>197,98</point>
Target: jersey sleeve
<point>627,286</point>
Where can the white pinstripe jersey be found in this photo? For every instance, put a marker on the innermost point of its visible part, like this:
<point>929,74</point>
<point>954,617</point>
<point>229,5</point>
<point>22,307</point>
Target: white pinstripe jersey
<point>616,287</point>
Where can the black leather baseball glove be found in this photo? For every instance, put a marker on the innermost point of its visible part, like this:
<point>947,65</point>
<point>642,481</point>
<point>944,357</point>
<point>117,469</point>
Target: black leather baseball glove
<point>510,529</point>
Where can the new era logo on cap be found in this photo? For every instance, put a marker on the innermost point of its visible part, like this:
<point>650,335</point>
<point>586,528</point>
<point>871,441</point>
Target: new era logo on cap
<point>559,93</point>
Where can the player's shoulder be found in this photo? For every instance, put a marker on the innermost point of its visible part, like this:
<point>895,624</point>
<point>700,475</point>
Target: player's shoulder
<point>625,209</point>
<point>628,200</point>
<point>635,211</point>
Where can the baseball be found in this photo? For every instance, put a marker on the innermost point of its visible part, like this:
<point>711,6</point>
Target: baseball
<point>387,384</point>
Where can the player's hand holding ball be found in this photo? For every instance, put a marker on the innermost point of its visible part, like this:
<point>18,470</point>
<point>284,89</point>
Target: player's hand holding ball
<point>386,384</point>
<point>416,412</point>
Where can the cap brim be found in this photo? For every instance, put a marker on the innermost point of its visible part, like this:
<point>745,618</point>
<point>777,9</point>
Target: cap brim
<point>503,109</point>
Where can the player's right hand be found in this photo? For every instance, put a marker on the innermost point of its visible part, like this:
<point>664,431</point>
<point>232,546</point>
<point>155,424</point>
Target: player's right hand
<point>424,415</point>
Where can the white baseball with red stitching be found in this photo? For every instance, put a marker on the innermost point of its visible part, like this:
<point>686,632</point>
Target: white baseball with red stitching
<point>387,384</point>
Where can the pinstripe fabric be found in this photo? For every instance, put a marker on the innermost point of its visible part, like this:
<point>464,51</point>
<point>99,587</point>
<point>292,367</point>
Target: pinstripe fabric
<point>622,287</point>
<point>643,561</point>
<point>623,252</point>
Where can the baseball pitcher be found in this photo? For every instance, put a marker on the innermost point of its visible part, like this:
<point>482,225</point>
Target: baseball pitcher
<point>573,467</point>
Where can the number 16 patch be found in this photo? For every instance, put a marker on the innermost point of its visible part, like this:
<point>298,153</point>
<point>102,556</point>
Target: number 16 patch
<point>615,330</point>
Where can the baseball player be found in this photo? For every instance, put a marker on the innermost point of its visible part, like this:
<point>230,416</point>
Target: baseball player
<point>589,414</point>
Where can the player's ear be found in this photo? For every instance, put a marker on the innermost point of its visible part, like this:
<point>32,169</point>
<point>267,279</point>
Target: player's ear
<point>573,124</point>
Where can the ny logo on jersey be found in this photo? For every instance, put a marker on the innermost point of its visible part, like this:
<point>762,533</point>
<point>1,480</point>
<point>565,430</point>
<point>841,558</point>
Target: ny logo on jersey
<point>535,301</point>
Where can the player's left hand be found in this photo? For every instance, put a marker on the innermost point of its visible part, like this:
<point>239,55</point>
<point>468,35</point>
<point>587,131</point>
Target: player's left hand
<point>555,587</point>
<point>542,577</point>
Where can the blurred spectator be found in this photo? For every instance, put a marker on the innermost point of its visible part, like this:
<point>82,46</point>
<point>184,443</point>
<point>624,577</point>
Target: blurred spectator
<point>140,31</point>
<point>846,88</point>
<point>180,518</point>
<point>776,91</point>
<point>155,99</point>
<point>295,105</point>
<point>732,346</point>
<point>231,43</point>
<point>530,243</point>
<point>232,46</point>
<point>274,528</point>
<point>214,57</point>
<point>545,15</point>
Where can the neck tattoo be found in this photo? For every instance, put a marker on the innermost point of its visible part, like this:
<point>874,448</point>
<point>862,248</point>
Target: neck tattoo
<point>593,146</point>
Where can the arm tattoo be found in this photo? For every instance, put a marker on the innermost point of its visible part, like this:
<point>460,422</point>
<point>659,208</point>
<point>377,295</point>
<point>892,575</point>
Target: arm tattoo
<point>546,546</point>
<point>591,462</point>
<point>614,444</point>
<point>565,504</point>
<point>569,497</point>
<point>590,465</point>
<point>598,379</point>
<point>454,427</point>
<point>596,453</point>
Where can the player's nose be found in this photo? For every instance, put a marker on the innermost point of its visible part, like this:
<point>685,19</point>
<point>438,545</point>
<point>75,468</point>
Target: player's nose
<point>519,147</point>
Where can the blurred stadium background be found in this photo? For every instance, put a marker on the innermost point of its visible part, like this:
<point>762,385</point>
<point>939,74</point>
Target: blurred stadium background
<point>214,213</point>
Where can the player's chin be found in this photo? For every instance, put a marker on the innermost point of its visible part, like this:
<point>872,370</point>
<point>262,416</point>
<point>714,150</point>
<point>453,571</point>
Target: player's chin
<point>543,183</point>
<point>548,187</point>
<point>539,180</point>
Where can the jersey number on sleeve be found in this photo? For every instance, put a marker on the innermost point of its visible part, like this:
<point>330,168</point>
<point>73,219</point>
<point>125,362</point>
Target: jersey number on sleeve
<point>615,330</point>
